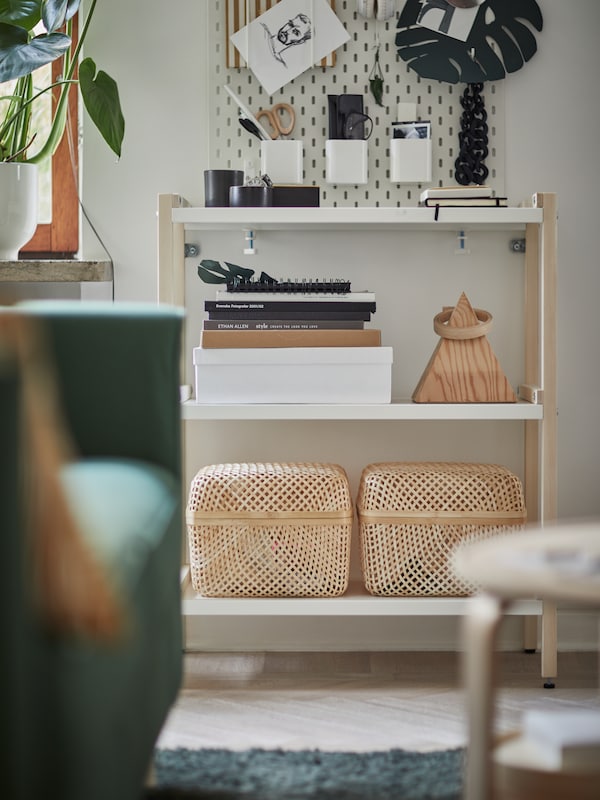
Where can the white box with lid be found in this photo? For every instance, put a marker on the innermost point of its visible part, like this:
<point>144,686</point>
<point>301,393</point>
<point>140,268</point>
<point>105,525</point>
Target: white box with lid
<point>294,375</point>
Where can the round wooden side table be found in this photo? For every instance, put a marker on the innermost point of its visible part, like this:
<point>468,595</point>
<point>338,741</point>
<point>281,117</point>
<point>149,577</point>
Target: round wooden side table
<point>558,563</point>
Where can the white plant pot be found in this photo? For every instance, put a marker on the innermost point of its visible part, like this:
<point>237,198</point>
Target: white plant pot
<point>18,207</point>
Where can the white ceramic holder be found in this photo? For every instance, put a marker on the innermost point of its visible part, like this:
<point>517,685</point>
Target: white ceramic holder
<point>281,160</point>
<point>410,160</point>
<point>347,161</point>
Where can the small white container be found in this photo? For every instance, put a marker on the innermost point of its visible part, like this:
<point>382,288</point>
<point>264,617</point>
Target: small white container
<point>281,160</point>
<point>410,160</point>
<point>347,161</point>
<point>294,375</point>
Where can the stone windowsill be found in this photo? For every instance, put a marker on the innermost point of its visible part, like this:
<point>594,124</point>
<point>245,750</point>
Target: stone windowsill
<point>55,271</point>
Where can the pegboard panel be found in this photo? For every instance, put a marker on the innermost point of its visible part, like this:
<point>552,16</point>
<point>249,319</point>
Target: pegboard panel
<point>230,146</point>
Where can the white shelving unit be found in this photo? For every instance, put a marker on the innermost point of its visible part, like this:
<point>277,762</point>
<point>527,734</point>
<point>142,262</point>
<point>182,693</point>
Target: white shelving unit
<point>538,224</point>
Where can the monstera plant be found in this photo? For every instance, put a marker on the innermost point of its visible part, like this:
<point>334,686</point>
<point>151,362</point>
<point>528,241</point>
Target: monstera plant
<point>500,41</point>
<point>34,33</point>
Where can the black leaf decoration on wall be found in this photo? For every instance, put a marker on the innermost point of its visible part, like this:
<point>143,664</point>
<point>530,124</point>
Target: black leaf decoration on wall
<point>506,23</point>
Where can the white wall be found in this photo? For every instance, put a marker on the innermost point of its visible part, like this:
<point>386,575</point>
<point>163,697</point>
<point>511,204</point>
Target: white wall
<point>158,58</point>
<point>552,123</point>
<point>553,119</point>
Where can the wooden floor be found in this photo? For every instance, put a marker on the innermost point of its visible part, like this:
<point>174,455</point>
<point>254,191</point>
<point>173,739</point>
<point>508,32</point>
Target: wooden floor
<point>356,701</point>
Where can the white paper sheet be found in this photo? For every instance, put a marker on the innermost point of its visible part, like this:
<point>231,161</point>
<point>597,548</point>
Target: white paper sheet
<point>288,39</point>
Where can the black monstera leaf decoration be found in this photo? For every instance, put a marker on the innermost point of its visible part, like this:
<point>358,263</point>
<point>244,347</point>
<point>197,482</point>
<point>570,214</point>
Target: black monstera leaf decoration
<point>502,25</point>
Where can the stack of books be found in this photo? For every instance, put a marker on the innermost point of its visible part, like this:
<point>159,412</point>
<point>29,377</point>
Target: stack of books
<point>294,347</point>
<point>294,319</point>
<point>461,196</point>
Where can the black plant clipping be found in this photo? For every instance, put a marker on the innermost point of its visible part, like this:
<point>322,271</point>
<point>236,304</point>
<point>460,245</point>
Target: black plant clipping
<point>473,138</point>
<point>500,41</point>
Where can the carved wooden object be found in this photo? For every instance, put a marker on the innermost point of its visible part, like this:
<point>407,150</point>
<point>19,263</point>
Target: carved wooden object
<point>463,367</point>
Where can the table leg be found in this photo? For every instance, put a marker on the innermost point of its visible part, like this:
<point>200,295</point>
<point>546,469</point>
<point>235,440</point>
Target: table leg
<point>530,634</point>
<point>479,630</point>
<point>549,644</point>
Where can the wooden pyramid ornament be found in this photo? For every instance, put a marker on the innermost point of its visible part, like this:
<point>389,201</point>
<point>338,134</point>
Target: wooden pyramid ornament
<point>463,367</point>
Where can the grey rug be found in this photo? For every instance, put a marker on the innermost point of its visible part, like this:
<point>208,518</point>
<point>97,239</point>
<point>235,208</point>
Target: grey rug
<point>289,775</point>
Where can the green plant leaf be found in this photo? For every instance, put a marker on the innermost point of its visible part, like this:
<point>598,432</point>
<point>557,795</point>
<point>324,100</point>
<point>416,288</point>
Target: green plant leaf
<point>239,272</point>
<point>19,57</point>
<point>24,13</point>
<point>212,272</point>
<point>53,14</point>
<point>72,8</point>
<point>101,98</point>
<point>376,86</point>
<point>11,35</point>
<point>56,12</point>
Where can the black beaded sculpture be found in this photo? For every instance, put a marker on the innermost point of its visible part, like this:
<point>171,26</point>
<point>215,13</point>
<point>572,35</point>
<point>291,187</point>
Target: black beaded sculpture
<point>469,167</point>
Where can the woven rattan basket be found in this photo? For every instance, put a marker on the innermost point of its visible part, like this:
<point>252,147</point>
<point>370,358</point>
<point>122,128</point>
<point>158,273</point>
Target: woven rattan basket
<point>270,530</point>
<point>412,516</point>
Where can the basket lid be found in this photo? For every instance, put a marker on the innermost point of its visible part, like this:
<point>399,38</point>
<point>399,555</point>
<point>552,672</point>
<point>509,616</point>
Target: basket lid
<point>452,487</point>
<point>269,488</point>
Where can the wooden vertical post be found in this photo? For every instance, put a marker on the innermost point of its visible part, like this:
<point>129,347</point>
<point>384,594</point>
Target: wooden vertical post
<point>171,290</point>
<point>548,449</point>
<point>170,248</point>
<point>532,367</point>
<point>540,370</point>
<point>549,455</point>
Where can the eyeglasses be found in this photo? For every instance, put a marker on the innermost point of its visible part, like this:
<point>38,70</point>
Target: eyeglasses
<point>357,126</point>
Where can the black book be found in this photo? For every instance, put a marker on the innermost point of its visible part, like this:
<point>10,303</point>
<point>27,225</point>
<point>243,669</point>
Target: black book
<point>467,202</point>
<point>287,315</point>
<point>256,304</point>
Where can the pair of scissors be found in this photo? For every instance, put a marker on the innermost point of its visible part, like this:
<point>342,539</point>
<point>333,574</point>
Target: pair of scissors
<point>275,117</point>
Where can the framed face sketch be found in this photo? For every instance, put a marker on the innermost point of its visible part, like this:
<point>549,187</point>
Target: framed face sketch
<point>239,13</point>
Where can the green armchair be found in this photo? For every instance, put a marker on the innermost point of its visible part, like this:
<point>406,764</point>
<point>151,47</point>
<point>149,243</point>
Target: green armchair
<point>82,707</point>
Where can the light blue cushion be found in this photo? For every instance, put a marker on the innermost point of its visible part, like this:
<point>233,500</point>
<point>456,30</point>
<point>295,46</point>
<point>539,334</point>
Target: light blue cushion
<point>123,508</point>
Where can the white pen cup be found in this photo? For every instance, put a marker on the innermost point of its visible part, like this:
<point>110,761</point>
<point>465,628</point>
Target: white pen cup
<point>410,160</point>
<point>346,161</point>
<point>281,160</point>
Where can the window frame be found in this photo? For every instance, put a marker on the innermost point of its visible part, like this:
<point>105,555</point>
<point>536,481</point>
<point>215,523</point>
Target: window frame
<point>59,238</point>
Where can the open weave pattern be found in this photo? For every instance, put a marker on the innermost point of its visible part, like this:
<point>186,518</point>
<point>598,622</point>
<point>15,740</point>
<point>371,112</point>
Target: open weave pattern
<point>288,534</point>
<point>413,558</point>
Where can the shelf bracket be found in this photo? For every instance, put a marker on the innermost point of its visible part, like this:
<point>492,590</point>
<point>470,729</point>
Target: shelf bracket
<point>461,244</point>
<point>250,242</point>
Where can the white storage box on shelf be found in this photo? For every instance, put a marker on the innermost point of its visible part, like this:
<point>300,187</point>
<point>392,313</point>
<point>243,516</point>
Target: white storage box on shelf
<point>294,375</point>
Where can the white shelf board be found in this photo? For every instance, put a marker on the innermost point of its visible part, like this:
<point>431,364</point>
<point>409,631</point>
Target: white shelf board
<point>336,218</point>
<point>355,602</point>
<point>407,410</point>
